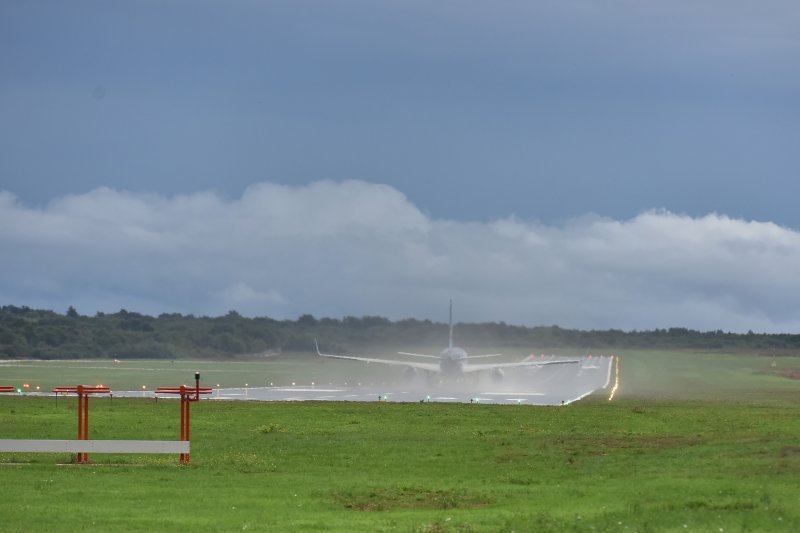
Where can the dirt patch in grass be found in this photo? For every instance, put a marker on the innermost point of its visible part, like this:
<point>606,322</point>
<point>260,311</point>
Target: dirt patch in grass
<point>789,459</point>
<point>737,505</point>
<point>511,457</point>
<point>390,498</point>
<point>789,373</point>
<point>789,451</point>
<point>599,444</point>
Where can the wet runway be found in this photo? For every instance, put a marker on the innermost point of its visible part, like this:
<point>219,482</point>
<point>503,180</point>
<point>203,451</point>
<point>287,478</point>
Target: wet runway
<point>546,385</point>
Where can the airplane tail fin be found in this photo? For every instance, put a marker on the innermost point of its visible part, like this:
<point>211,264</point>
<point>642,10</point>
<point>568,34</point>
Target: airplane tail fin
<point>450,345</point>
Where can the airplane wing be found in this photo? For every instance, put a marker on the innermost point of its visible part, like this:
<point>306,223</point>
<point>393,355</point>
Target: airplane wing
<point>429,367</point>
<point>437,357</point>
<point>478,368</point>
<point>483,355</point>
<point>420,355</point>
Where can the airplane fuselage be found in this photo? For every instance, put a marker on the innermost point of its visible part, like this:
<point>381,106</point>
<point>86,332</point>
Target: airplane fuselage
<point>452,361</point>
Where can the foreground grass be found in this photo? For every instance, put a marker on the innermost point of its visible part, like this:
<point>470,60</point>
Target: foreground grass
<point>629,465</point>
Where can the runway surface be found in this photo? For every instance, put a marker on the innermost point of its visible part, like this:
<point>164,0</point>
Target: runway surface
<point>546,385</point>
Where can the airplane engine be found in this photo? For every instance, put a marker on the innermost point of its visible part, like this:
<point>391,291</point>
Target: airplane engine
<point>410,373</point>
<point>497,374</point>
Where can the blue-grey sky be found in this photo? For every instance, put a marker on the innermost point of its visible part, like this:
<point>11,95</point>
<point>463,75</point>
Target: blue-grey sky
<point>552,114</point>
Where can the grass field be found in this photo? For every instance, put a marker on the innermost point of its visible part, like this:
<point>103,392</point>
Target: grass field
<point>695,442</point>
<point>133,375</point>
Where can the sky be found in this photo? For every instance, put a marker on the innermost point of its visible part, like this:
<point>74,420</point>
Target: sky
<point>619,164</point>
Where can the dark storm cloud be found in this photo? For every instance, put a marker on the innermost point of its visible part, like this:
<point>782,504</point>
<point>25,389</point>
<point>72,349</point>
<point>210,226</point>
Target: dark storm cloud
<point>546,110</point>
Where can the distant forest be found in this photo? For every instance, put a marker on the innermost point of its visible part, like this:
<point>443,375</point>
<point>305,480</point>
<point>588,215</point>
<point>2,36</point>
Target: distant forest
<point>32,333</point>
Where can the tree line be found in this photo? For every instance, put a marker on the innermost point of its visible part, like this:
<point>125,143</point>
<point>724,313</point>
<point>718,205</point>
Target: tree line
<point>36,333</point>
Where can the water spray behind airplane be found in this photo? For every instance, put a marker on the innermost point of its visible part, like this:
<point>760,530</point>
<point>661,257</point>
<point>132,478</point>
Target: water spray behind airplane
<point>453,361</point>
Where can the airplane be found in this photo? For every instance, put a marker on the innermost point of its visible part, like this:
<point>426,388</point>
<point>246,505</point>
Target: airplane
<point>452,361</point>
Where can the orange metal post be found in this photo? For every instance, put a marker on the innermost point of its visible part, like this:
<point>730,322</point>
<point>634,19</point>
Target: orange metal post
<point>183,420</point>
<point>79,457</point>
<point>80,413</point>
<point>188,395</point>
<point>83,393</point>
<point>188,405</point>
<point>85,424</point>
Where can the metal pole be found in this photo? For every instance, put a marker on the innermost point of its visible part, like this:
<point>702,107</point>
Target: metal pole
<point>86,424</point>
<point>188,405</point>
<point>79,458</point>
<point>183,420</point>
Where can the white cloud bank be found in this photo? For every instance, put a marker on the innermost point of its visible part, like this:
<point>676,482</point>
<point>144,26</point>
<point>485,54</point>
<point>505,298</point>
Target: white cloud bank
<point>355,248</point>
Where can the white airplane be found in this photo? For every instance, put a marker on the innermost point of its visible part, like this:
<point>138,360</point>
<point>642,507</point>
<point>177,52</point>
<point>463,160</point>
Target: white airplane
<point>452,362</point>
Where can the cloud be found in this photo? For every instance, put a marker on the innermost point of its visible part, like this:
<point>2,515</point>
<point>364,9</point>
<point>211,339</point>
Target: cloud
<point>356,248</point>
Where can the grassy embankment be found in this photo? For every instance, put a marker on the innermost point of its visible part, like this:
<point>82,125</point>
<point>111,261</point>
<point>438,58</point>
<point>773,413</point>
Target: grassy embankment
<point>726,458</point>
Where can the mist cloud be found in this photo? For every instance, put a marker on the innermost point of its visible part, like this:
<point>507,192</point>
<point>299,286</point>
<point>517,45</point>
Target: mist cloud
<point>355,248</point>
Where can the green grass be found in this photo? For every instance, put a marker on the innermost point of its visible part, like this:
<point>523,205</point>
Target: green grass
<point>425,467</point>
<point>133,375</point>
<point>716,447</point>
